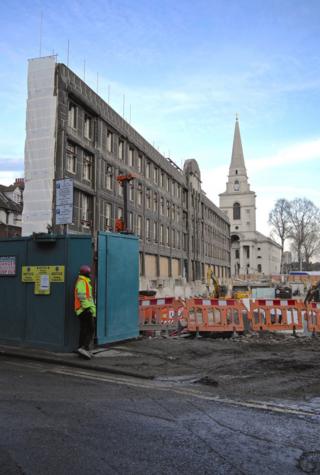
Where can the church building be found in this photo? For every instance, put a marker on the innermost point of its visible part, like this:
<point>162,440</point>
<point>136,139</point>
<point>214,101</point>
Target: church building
<point>252,253</point>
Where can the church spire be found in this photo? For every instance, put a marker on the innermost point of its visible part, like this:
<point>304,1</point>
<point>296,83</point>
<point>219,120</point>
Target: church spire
<point>237,166</point>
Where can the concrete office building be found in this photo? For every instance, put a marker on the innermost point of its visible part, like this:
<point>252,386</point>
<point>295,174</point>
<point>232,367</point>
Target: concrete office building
<point>251,252</point>
<point>73,133</point>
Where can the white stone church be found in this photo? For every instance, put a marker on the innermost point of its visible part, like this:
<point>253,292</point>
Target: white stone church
<point>252,253</point>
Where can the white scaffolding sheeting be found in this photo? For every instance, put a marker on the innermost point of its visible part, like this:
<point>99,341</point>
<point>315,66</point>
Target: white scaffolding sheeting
<point>40,146</point>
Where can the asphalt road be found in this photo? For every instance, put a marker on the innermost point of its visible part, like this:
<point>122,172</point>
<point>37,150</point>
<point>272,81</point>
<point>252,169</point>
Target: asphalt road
<point>57,420</point>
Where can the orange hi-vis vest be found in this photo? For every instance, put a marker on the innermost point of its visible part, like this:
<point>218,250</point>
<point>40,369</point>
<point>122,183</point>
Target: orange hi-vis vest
<point>83,296</point>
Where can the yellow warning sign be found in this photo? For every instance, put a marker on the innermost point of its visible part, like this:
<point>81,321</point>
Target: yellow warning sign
<point>28,274</point>
<point>34,273</point>
<point>56,273</point>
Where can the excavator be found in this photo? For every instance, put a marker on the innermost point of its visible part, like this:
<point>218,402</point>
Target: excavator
<point>313,294</point>
<point>218,290</point>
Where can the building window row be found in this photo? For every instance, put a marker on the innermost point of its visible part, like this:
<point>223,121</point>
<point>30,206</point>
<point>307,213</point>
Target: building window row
<point>79,161</point>
<point>74,115</point>
<point>126,152</point>
<point>153,232</point>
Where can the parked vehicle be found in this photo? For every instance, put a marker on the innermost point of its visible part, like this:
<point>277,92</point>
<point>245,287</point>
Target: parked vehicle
<point>283,292</point>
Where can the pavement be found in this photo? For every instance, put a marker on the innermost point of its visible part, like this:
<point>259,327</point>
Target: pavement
<point>104,359</point>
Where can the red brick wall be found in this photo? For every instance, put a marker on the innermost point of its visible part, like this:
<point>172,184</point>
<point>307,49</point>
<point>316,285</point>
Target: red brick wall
<point>9,231</point>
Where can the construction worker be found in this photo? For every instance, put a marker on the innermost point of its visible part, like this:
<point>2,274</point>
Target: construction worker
<point>313,293</point>
<point>85,310</point>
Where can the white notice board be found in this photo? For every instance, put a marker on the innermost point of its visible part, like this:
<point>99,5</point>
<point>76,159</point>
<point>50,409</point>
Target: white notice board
<point>64,201</point>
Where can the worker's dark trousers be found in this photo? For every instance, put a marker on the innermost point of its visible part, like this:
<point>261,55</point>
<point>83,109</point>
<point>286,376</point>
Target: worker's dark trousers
<point>86,329</point>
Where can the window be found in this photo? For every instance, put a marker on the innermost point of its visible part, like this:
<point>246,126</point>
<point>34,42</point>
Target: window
<point>87,166</point>
<point>139,226</point>
<point>237,254</point>
<point>155,231</point>
<point>139,163</point>
<point>130,157</point>
<point>107,216</point>
<point>184,198</point>
<point>173,240</point>
<point>88,127</point>
<point>120,186</point>
<point>173,213</point>
<point>108,177</point>
<point>85,210</point>
<point>185,218</point>
<point>236,211</point>
<point>131,192</point>
<point>130,222</point>
<point>259,268</point>
<point>71,158</point>
<point>167,236</point>
<point>155,202</point>
<point>162,180</point>
<point>168,184</point>
<point>139,197</point>
<point>148,229</point>
<point>120,149</point>
<point>148,199</point>
<point>178,240</point>
<point>119,213</point>
<point>162,206</point>
<point>236,186</point>
<point>246,250</point>
<point>168,209</point>
<point>148,170</point>
<point>185,242</point>
<point>155,175</point>
<point>72,116</point>
<point>109,141</point>
<point>161,234</point>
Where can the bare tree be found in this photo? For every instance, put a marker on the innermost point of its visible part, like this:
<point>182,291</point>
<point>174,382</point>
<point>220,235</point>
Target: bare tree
<point>280,221</point>
<point>311,245</point>
<point>304,217</point>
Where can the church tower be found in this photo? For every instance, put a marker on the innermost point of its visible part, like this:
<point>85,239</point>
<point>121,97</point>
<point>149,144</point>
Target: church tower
<point>239,203</point>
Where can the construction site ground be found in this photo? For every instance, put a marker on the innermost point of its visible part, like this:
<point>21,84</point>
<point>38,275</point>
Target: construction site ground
<point>252,367</point>
<point>262,366</point>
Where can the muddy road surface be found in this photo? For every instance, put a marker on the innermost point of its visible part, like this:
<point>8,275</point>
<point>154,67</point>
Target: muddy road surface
<point>264,367</point>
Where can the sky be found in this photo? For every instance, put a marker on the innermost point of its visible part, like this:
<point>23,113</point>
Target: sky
<point>185,69</point>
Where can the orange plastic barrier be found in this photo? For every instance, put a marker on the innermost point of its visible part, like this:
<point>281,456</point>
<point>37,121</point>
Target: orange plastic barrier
<point>312,316</point>
<point>276,315</point>
<point>214,315</point>
<point>160,314</point>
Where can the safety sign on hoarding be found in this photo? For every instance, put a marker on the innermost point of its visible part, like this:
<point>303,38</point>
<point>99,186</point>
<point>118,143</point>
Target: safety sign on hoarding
<point>43,277</point>
<point>7,265</point>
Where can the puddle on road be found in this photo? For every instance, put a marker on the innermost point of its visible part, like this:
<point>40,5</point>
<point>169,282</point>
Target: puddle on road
<point>110,353</point>
<point>313,405</point>
<point>185,379</point>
